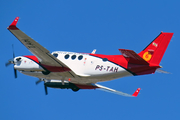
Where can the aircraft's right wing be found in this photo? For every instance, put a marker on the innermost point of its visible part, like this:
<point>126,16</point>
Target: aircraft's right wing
<point>39,51</point>
<point>44,56</point>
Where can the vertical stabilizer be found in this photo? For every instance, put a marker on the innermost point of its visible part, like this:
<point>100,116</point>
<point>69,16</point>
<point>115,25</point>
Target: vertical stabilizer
<point>154,52</point>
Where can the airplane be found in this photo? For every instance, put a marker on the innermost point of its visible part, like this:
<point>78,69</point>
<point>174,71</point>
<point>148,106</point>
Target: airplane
<point>71,70</point>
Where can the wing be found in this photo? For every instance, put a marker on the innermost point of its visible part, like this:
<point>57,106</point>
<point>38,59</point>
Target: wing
<point>43,55</point>
<point>135,94</point>
<point>106,89</point>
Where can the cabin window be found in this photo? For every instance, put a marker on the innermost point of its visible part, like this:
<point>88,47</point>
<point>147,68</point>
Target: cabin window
<point>105,59</point>
<point>73,57</point>
<point>55,55</point>
<point>66,56</point>
<point>80,57</point>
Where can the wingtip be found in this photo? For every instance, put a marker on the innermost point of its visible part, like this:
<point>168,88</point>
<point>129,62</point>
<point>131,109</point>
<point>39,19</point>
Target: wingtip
<point>135,94</point>
<point>13,24</point>
<point>15,21</point>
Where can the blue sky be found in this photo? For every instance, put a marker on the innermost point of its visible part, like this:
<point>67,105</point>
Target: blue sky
<point>81,26</point>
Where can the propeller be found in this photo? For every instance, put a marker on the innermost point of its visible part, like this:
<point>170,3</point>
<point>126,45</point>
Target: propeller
<point>11,61</point>
<point>45,87</point>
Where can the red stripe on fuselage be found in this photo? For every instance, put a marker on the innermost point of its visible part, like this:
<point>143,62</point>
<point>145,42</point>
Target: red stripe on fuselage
<point>135,69</point>
<point>50,68</point>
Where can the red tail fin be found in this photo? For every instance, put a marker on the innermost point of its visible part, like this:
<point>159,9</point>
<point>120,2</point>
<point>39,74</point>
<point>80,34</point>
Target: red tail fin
<point>154,52</point>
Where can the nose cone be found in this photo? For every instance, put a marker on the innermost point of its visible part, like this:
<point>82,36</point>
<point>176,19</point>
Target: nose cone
<point>25,64</point>
<point>17,62</point>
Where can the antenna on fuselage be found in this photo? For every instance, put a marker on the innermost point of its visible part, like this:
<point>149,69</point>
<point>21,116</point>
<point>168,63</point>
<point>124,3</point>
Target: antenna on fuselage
<point>93,52</point>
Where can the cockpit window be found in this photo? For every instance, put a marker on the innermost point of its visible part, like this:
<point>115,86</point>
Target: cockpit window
<point>55,54</point>
<point>18,59</point>
<point>105,59</point>
<point>73,57</point>
<point>80,57</point>
<point>66,56</point>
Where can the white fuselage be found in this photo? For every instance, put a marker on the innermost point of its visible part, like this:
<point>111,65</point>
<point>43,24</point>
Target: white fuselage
<point>90,69</point>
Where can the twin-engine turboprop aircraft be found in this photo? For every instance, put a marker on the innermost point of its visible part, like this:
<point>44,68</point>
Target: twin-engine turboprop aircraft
<point>70,70</point>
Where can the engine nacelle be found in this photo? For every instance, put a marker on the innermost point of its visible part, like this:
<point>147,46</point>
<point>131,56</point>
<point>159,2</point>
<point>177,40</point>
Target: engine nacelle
<point>59,84</point>
<point>25,64</point>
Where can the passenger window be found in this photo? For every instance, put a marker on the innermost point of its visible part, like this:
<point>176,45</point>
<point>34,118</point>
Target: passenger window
<point>66,56</point>
<point>73,57</point>
<point>105,59</point>
<point>55,55</point>
<point>80,57</point>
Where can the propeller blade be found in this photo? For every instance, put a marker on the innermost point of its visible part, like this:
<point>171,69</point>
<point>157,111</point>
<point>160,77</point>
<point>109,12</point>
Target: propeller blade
<point>45,87</point>
<point>15,73</point>
<point>13,51</point>
<point>11,61</point>
<point>7,64</point>
<point>40,80</point>
<point>37,82</point>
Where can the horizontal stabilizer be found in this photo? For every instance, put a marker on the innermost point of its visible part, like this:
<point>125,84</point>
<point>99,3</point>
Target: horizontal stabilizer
<point>162,71</point>
<point>117,92</point>
<point>132,57</point>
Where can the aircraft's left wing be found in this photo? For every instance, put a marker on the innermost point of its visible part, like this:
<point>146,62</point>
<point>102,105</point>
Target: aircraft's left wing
<point>135,94</point>
<point>106,89</point>
<point>43,55</point>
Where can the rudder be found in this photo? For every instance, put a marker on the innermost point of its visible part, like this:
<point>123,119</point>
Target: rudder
<point>154,52</point>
